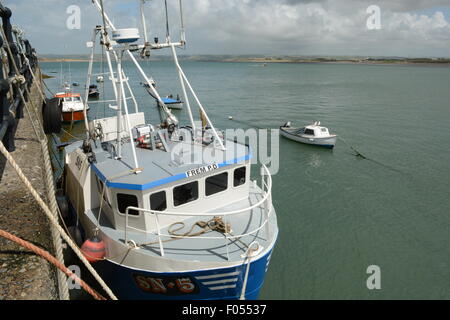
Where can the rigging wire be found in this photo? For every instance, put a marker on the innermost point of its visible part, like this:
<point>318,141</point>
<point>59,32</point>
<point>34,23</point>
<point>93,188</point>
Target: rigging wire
<point>103,82</point>
<point>104,38</point>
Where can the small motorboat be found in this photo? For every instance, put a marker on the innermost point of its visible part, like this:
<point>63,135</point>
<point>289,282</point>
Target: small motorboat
<point>72,107</point>
<point>172,103</point>
<point>313,134</point>
<point>93,91</point>
<point>146,85</point>
<point>100,79</point>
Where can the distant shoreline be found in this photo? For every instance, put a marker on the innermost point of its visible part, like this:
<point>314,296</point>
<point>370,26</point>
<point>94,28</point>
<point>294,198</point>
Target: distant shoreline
<point>445,62</point>
<point>266,61</point>
<point>62,60</point>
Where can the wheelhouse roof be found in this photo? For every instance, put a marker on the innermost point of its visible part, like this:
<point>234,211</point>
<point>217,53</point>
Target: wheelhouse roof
<point>158,166</point>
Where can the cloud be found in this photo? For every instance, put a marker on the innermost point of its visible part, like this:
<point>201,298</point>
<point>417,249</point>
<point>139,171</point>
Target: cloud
<point>296,27</point>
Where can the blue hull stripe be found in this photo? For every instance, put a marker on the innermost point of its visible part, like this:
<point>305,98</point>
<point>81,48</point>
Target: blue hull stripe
<point>161,182</point>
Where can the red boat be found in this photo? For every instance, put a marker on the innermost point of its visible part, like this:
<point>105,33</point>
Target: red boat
<point>72,107</point>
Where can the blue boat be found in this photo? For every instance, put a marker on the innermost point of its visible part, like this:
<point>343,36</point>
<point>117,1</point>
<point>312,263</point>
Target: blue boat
<point>172,103</point>
<point>173,205</point>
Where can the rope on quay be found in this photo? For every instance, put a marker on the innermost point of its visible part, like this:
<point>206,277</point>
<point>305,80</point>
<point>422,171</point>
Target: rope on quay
<point>54,221</point>
<point>55,212</point>
<point>47,256</point>
<point>63,287</point>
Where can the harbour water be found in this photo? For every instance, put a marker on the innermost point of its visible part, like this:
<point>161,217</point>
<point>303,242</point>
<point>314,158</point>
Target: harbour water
<point>338,213</point>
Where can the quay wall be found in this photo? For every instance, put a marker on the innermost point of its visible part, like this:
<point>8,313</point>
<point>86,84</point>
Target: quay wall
<point>23,275</point>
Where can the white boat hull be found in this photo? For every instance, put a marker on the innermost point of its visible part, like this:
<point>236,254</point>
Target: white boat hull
<point>327,142</point>
<point>175,106</point>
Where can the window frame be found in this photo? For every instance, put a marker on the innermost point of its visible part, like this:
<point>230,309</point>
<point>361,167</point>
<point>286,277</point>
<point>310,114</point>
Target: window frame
<point>218,174</point>
<point>310,130</point>
<point>234,170</point>
<point>182,184</point>
<point>156,192</point>
<point>129,214</point>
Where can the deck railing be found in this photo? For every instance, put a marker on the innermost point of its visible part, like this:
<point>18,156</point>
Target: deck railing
<point>265,203</point>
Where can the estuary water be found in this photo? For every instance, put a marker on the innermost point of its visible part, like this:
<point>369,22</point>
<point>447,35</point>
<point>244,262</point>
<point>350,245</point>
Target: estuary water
<point>338,213</point>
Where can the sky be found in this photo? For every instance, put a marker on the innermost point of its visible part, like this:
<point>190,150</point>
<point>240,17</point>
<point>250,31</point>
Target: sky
<point>407,28</point>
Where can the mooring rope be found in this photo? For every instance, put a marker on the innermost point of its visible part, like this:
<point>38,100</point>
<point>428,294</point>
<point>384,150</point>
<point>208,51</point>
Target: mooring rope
<point>47,256</point>
<point>54,220</point>
<point>364,157</point>
<point>358,154</point>
<point>62,283</point>
<point>248,258</point>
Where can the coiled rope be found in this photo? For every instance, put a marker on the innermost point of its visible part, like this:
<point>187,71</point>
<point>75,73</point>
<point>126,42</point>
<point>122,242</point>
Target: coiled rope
<point>215,224</point>
<point>47,256</point>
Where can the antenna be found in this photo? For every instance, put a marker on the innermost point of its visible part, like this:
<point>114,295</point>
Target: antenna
<point>105,32</point>
<point>167,23</point>
<point>145,53</point>
<point>183,33</point>
<point>144,25</point>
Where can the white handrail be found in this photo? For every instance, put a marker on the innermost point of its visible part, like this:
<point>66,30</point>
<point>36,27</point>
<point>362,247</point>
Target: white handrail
<point>267,208</point>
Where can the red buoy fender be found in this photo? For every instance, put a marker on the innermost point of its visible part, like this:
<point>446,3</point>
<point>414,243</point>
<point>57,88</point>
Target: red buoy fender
<point>93,249</point>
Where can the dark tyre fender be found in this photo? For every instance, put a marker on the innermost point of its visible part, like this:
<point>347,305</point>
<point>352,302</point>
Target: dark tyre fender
<point>76,235</point>
<point>52,116</point>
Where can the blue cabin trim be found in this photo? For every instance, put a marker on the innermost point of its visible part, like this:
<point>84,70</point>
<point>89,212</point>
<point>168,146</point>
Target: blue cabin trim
<point>160,182</point>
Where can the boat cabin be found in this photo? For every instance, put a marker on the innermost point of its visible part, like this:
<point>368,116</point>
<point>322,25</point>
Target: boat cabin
<point>202,192</point>
<point>72,99</point>
<point>315,131</point>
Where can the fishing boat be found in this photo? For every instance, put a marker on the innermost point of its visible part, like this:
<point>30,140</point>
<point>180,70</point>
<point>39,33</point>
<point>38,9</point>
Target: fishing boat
<point>165,210</point>
<point>313,134</point>
<point>72,107</point>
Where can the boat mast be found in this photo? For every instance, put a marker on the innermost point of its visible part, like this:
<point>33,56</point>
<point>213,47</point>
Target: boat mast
<point>170,117</point>
<point>88,81</point>
<point>183,33</point>
<point>123,99</point>
<point>144,25</point>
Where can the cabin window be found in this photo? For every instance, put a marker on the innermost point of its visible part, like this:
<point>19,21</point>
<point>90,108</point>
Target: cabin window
<point>216,184</point>
<point>158,201</point>
<point>185,193</point>
<point>324,130</point>
<point>239,176</point>
<point>127,200</point>
<point>309,132</point>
